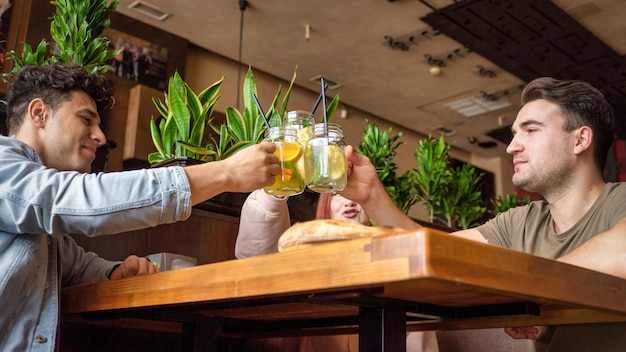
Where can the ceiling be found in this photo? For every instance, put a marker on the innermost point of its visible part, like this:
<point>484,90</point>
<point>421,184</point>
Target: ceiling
<point>407,61</point>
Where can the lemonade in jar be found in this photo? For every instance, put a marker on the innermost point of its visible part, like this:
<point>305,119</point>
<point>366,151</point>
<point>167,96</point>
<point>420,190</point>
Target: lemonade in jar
<point>303,122</point>
<point>289,151</point>
<point>325,161</point>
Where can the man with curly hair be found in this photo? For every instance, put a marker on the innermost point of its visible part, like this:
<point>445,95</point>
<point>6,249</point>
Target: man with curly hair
<point>47,193</point>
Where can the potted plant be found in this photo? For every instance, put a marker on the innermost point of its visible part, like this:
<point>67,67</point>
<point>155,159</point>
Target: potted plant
<point>380,147</point>
<point>462,204</point>
<point>179,133</point>
<point>77,31</point>
<point>183,132</point>
<point>510,200</point>
<point>431,174</point>
<point>453,194</point>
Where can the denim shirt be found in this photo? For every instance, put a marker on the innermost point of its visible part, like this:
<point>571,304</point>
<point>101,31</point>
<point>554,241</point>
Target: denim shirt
<point>40,207</point>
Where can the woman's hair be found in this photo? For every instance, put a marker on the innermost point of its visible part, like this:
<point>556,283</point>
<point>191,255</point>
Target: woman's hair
<point>323,206</point>
<point>54,84</point>
<point>581,105</point>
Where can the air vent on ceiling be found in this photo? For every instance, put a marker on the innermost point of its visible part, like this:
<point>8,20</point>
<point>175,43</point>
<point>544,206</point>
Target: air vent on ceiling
<point>477,105</point>
<point>332,84</point>
<point>149,10</point>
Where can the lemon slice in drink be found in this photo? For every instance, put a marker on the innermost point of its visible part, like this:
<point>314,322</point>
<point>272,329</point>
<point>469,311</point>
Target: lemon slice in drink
<point>337,160</point>
<point>304,134</point>
<point>288,151</point>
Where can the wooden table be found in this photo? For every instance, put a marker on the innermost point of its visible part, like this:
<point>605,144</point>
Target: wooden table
<point>423,279</point>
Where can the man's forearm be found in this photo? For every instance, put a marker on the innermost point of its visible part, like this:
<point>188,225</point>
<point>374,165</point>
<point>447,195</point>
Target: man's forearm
<point>605,252</point>
<point>384,212</point>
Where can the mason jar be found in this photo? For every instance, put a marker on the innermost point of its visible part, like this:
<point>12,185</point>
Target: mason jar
<point>289,151</point>
<point>325,160</point>
<point>302,121</point>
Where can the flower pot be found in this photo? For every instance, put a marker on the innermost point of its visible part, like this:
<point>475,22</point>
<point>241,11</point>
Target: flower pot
<point>178,161</point>
<point>227,203</point>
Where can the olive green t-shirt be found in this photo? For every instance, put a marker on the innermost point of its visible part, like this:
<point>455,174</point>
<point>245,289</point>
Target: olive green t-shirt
<point>530,229</point>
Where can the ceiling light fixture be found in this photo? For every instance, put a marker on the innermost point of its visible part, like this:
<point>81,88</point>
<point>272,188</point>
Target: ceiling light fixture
<point>447,57</point>
<point>484,72</point>
<point>149,10</point>
<point>477,105</point>
<point>435,70</point>
<point>414,38</point>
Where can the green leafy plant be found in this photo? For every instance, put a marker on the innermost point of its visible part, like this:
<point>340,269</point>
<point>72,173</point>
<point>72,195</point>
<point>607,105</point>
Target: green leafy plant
<point>274,113</point>
<point>380,147</point>
<point>77,30</point>
<point>183,130</point>
<point>462,204</point>
<point>453,194</point>
<point>450,195</point>
<point>180,130</point>
<point>248,126</point>
<point>431,174</point>
<point>510,200</point>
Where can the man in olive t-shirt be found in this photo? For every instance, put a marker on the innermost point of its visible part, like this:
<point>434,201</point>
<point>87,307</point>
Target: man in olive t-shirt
<point>561,138</point>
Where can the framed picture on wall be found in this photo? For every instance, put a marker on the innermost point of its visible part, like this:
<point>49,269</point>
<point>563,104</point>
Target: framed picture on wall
<point>5,16</point>
<point>139,60</point>
<point>149,55</point>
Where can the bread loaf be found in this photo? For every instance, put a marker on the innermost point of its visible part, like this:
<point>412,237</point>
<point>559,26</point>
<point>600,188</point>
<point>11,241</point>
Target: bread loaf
<point>305,234</point>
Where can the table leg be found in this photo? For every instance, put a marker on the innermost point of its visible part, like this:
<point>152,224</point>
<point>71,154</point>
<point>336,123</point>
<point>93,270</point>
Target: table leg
<point>188,336</point>
<point>382,330</point>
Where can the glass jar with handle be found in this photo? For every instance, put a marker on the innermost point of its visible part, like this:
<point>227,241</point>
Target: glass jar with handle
<point>289,151</point>
<point>303,122</point>
<point>325,160</point>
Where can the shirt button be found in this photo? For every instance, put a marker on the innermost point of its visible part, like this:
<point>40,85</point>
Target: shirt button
<point>41,339</point>
<point>47,286</point>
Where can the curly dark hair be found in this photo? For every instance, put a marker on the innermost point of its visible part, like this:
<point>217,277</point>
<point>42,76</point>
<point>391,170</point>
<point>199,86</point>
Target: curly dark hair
<point>581,105</point>
<point>54,84</point>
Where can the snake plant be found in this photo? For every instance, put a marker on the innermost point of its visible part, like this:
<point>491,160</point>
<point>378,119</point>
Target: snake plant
<point>185,115</point>
<point>182,128</point>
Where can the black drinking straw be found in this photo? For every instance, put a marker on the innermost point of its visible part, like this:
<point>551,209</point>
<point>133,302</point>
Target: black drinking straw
<point>258,106</point>
<point>324,105</point>
<point>317,102</point>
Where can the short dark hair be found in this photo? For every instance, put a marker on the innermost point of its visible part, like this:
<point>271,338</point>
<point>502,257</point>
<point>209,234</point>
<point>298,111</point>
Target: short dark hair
<point>581,105</point>
<point>54,84</point>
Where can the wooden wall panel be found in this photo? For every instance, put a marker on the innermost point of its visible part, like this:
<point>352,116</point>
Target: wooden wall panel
<point>209,237</point>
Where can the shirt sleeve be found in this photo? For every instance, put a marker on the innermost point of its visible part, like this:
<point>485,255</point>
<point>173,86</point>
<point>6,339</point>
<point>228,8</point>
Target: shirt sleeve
<point>263,219</point>
<point>79,266</point>
<point>498,230</point>
<point>43,200</point>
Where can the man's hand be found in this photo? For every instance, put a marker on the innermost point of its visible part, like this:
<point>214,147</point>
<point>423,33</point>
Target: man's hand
<point>251,168</point>
<point>362,177</point>
<point>364,187</point>
<point>525,332</point>
<point>133,266</point>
